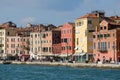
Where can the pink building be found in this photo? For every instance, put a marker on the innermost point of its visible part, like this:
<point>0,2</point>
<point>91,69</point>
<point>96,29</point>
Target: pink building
<point>13,44</point>
<point>67,39</point>
<point>106,41</point>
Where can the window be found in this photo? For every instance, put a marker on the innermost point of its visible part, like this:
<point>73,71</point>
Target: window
<point>23,39</point>
<point>108,35</point>
<point>105,27</point>
<point>45,49</point>
<point>47,34</point>
<point>113,43</point>
<point>44,36</point>
<point>90,39</point>
<point>18,45</point>
<point>113,34</point>
<point>103,46</point>
<point>31,36</point>
<point>0,33</point>
<point>64,31</point>
<point>77,41</point>
<point>70,31</point>
<point>79,23</point>
<point>8,33</point>
<point>91,30</point>
<point>7,40</point>
<point>98,36</point>
<point>62,48</point>
<point>12,45</point>
<point>35,49</point>
<point>65,40</point>
<point>70,39</point>
<point>98,45</point>
<point>35,35</point>
<point>94,36</point>
<point>38,35</point>
<point>108,45</point>
<point>119,46</point>
<point>50,41</point>
<point>38,48</point>
<point>94,45</point>
<point>50,49</point>
<point>89,22</point>
<point>35,42</point>
<point>18,40</point>
<point>7,46</point>
<point>67,31</point>
<point>100,28</point>
<point>101,35</point>
<point>69,47</point>
<point>12,39</point>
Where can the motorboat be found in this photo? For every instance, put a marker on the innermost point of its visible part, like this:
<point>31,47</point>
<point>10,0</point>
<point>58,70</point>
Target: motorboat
<point>7,62</point>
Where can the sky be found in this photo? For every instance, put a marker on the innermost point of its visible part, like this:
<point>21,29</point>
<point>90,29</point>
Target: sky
<point>56,12</point>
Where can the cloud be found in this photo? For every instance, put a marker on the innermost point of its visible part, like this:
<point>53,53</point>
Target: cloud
<point>28,20</point>
<point>53,11</point>
<point>59,5</point>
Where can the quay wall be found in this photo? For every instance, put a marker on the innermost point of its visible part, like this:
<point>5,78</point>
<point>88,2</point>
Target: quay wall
<point>79,65</point>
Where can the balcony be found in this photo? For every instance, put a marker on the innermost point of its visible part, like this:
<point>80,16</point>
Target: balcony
<point>103,50</point>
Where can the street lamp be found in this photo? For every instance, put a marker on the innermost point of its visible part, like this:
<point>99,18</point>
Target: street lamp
<point>114,47</point>
<point>17,55</point>
<point>66,41</point>
<point>1,50</point>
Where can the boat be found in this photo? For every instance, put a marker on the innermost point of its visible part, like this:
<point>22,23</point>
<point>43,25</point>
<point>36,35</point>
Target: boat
<point>7,62</point>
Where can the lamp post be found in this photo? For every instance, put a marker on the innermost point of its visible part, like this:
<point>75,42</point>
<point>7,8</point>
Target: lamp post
<point>66,41</point>
<point>1,45</point>
<point>16,56</point>
<point>114,53</point>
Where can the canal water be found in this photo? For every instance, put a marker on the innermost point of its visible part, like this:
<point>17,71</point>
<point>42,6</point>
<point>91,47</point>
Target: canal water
<point>37,72</point>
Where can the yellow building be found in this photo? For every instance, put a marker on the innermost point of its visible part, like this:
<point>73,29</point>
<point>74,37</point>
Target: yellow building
<point>3,34</point>
<point>84,26</point>
<point>2,41</point>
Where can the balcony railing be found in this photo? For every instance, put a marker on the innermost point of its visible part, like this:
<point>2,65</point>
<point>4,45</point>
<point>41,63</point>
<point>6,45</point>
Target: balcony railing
<point>103,50</point>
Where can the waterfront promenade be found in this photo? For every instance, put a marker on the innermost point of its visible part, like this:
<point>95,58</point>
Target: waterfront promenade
<point>89,65</point>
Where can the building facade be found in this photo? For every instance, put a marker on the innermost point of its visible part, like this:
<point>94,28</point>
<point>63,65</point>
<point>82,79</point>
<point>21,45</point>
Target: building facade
<point>2,42</point>
<point>67,39</point>
<point>3,37</point>
<point>106,42</point>
<point>35,43</point>
<point>13,45</point>
<point>84,26</point>
<point>46,42</point>
<point>51,43</point>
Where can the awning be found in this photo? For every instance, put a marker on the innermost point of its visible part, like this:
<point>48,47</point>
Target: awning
<point>76,48</point>
<point>56,54</point>
<point>47,54</point>
<point>64,55</point>
<point>82,54</point>
<point>79,54</point>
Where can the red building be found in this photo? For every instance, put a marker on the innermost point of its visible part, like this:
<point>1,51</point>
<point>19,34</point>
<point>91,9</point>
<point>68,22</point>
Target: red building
<point>106,41</point>
<point>67,39</point>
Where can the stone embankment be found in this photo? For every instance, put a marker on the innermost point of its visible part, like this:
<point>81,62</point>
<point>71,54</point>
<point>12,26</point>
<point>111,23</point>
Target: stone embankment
<point>89,65</point>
